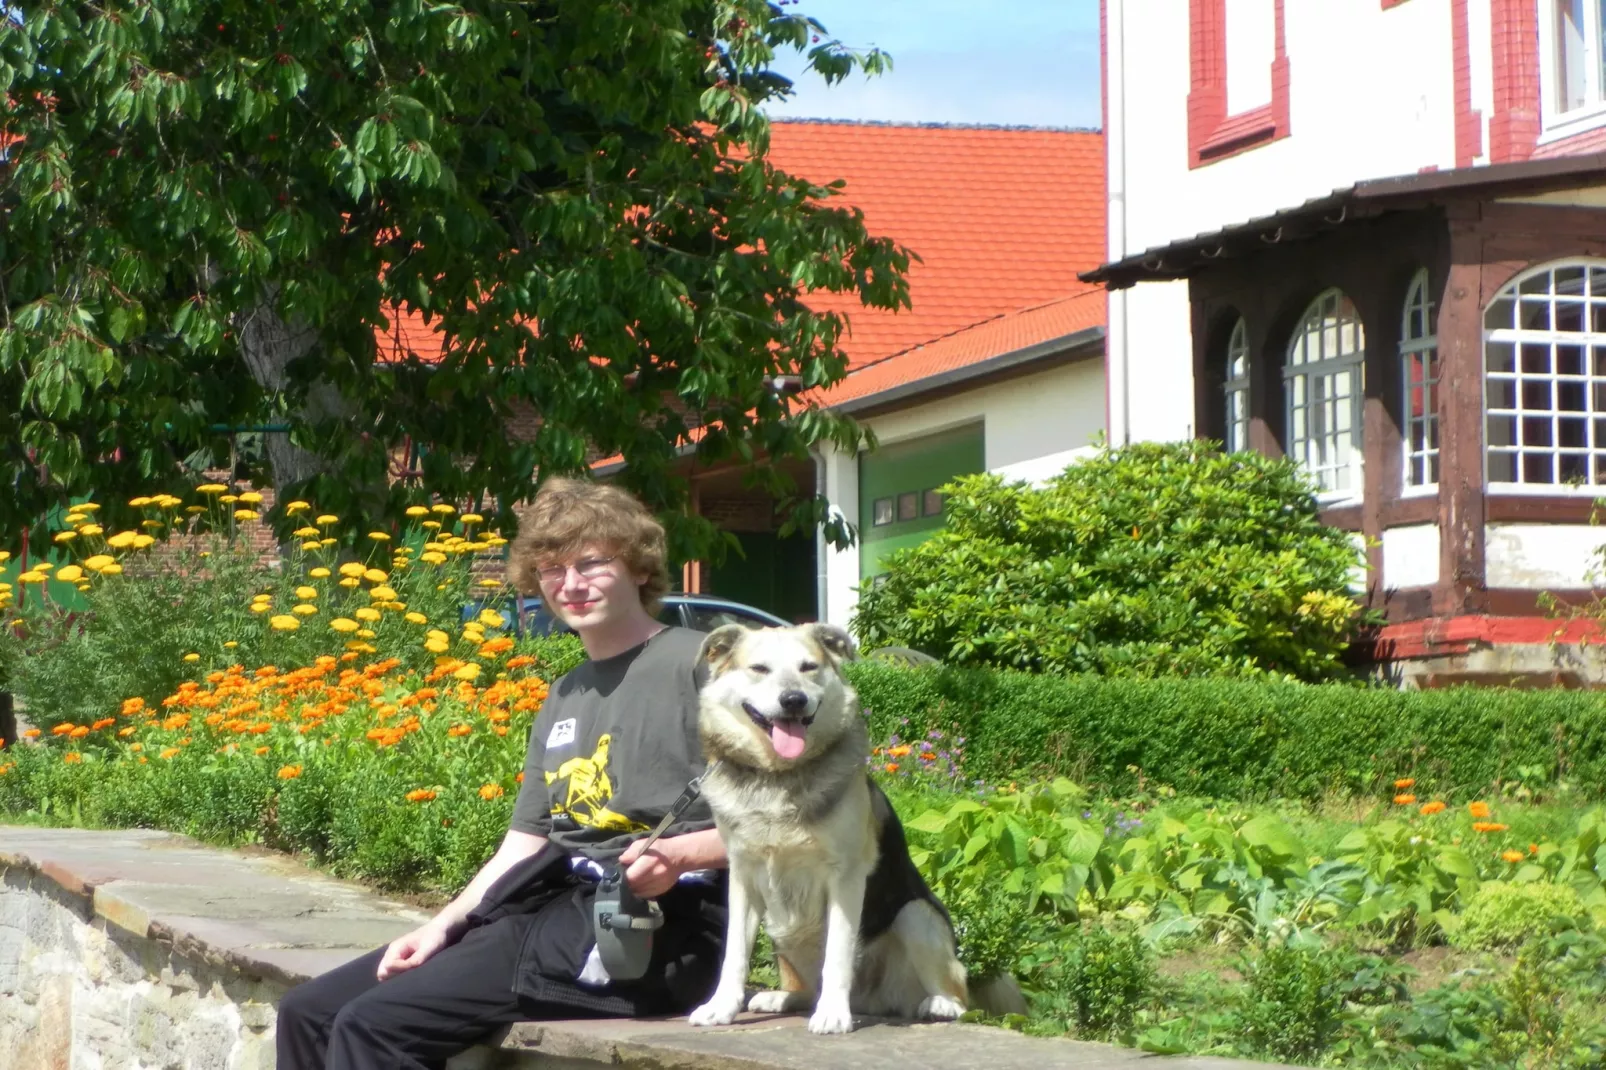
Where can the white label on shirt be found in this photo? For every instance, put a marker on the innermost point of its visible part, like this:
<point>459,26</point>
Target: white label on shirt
<point>562,733</point>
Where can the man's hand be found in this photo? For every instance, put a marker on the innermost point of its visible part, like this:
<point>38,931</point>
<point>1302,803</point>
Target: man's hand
<point>653,873</point>
<point>412,950</point>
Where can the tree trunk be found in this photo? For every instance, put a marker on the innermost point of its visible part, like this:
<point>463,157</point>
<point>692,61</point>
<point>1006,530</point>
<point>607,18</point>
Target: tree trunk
<point>269,345</point>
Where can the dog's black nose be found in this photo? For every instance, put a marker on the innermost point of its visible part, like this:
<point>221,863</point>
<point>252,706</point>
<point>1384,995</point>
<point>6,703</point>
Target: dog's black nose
<point>793,701</point>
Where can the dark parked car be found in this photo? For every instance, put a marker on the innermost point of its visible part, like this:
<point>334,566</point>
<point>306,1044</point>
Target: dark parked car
<point>699,612</point>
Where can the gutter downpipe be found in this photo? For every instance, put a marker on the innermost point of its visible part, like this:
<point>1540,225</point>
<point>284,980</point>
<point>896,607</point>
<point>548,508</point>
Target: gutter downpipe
<point>822,585</point>
<point>1115,148</point>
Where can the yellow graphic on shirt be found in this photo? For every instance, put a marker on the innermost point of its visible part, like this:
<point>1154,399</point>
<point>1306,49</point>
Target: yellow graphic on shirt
<point>588,792</point>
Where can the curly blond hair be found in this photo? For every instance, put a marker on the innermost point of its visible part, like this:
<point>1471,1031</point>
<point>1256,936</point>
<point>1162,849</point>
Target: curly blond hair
<point>571,514</point>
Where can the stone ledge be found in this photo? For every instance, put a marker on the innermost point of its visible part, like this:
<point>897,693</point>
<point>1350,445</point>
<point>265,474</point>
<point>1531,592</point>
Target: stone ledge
<point>267,918</point>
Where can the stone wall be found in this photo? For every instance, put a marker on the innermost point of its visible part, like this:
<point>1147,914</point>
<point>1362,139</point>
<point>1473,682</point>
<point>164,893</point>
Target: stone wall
<point>76,992</point>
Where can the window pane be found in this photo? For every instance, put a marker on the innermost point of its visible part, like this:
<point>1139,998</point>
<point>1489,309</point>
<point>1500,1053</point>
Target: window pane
<point>931,503</point>
<point>908,505</point>
<point>883,512</point>
<point>1571,75</point>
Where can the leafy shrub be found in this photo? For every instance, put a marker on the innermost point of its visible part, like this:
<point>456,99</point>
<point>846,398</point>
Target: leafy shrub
<point>1295,1002</point>
<point>1503,913</point>
<point>1240,738</point>
<point>1105,978</point>
<point>1144,560</point>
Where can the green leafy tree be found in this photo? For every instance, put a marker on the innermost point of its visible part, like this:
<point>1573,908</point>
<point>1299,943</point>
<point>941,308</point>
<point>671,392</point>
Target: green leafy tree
<point>1141,561</point>
<point>211,205</point>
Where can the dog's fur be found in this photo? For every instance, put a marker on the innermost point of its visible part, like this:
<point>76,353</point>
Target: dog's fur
<point>815,849</point>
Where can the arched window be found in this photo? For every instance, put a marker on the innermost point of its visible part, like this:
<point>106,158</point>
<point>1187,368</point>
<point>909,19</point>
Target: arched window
<point>1419,367</point>
<point>1322,381</point>
<point>1544,362</point>
<point>1236,388</point>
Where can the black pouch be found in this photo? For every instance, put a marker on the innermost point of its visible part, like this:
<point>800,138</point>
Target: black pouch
<point>529,886</point>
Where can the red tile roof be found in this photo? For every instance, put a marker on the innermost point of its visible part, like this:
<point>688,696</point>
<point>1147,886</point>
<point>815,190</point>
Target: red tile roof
<point>1002,219</point>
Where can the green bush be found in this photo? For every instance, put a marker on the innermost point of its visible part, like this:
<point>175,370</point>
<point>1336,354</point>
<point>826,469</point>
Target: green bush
<point>1295,1002</point>
<point>1240,738</point>
<point>1142,561</point>
<point>1105,978</point>
<point>1503,914</point>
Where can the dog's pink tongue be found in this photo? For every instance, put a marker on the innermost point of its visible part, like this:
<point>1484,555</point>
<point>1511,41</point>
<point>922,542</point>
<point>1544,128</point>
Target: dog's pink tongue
<point>788,738</point>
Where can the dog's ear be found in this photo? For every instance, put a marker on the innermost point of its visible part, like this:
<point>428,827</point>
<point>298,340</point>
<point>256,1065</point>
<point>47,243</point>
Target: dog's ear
<point>835,641</point>
<point>718,647</point>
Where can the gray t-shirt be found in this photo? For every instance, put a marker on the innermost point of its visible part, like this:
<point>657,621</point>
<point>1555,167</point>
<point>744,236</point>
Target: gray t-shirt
<point>612,748</point>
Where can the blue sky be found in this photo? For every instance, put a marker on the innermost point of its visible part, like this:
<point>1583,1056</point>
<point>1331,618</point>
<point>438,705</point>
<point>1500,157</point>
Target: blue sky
<point>1031,62</point>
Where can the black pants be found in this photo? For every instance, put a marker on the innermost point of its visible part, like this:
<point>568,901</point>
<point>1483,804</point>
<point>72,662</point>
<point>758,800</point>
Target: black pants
<point>348,1020</point>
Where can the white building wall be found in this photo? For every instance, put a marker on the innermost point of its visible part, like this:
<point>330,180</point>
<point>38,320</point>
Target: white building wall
<point>1034,426</point>
<point>1541,557</point>
<point>1371,95</point>
<point>1411,556</point>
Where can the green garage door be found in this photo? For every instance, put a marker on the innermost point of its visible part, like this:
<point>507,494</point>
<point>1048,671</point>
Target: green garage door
<point>898,501</point>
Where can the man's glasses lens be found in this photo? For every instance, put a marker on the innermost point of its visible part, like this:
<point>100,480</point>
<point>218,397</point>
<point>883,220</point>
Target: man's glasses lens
<point>588,567</point>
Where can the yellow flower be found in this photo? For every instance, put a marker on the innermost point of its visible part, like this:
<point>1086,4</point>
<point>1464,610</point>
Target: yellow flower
<point>361,648</point>
<point>351,581</point>
<point>139,503</point>
<point>100,561</point>
<point>490,583</point>
<point>379,536</point>
<point>443,509</point>
<point>490,618</point>
<point>152,524</point>
<point>113,569</point>
<point>142,541</point>
<point>367,613</point>
<point>303,609</point>
<point>192,657</point>
<point>376,575</point>
<point>306,533</point>
<point>351,568</point>
<point>326,519</point>
<point>417,618</point>
<point>45,566</point>
<point>436,646</point>
<point>472,518</point>
<point>70,573</point>
<point>74,519</point>
<point>343,624</point>
<point>436,633</point>
<point>5,555</point>
<point>319,573</point>
<point>283,622</point>
<point>206,488</point>
<point>297,507</point>
<point>417,510</point>
<point>230,645</point>
<point>261,607</point>
<point>229,499</point>
<point>263,597</point>
<point>91,529</point>
<point>246,514</point>
<point>251,497</point>
<point>467,672</point>
<point>433,525</point>
<point>327,542</point>
<point>434,557</point>
<point>306,594</point>
<point>490,791</point>
<point>396,606</point>
<point>122,540</point>
<point>66,536</point>
<point>365,633</point>
<point>169,752</point>
<point>311,544</point>
<point>1512,856</point>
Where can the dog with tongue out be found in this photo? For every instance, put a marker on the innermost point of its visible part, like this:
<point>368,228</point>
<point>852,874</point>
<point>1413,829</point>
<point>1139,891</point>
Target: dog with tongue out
<point>816,852</point>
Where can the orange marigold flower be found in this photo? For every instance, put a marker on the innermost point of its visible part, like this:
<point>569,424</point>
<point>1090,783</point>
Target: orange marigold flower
<point>1533,848</point>
<point>132,706</point>
<point>261,750</point>
<point>1434,807</point>
<point>168,752</point>
<point>72,757</point>
<point>289,772</point>
<point>31,733</point>
<point>63,728</point>
<point>519,777</point>
<point>899,751</point>
<point>1405,782</point>
<point>136,747</point>
<point>78,733</point>
<point>891,767</point>
<point>1478,809</point>
<point>1512,856</point>
<point>459,730</point>
<point>490,791</point>
<point>102,723</point>
<point>499,729</point>
<point>1488,826</point>
<point>1404,800</point>
<point>520,662</point>
<point>420,795</point>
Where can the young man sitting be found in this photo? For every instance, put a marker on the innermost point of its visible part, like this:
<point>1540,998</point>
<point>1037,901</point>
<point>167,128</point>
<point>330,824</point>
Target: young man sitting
<point>610,751</point>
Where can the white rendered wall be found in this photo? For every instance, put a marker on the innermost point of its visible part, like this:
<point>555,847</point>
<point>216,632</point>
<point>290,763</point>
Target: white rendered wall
<point>1031,425</point>
<point>1542,556</point>
<point>1411,556</point>
<point>1371,95</point>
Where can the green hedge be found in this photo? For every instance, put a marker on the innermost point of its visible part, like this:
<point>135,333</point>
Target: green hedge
<point>1241,739</point>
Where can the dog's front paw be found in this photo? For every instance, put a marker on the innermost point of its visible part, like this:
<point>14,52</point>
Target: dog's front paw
<point>721,1010</point>
<point>943,1008</point>
<point>778,1002</point>
<point>831,1016</point>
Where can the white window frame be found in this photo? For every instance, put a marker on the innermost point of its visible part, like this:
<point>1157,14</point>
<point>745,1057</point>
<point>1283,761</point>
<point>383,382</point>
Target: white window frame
<point>1419,348</point>
<point>1235,391</point>
<point>1555,121</point>
<point>1591,387</point>
<point>1323,329</point>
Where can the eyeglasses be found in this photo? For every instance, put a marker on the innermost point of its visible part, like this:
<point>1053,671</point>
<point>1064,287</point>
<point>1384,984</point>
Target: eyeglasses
<point>587,567</point>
